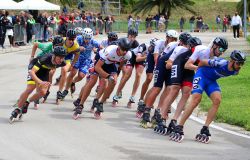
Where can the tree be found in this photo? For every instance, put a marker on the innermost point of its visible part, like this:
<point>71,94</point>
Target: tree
<point>240,7</point>
<point>163,6</point>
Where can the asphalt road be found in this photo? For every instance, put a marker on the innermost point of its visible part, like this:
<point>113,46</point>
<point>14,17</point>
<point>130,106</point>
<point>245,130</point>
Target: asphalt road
<point>51,133</point>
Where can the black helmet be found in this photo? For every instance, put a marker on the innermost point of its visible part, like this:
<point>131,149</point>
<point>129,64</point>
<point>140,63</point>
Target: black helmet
<point>124,44</point>
<point>194,41</point>
<point>184,37</point>
<point>222,42</point>
<point>57,40</point>
<point>59,51</point>
<point>133,32</point>
<point>142,47</point>
<point>112,36</point>
<point>238,56</point>
<point>71,33</point>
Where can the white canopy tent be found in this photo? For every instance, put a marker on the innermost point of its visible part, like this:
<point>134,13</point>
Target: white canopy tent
<point>8,5</point>
<point>37,5</point>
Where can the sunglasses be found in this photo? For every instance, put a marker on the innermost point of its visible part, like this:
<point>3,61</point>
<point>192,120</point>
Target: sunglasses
<point>221,50</point>
<point>239,63</point>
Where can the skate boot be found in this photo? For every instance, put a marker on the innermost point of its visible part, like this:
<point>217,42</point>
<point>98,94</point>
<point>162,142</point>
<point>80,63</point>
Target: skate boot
<point>171,126</point>
<point>99,110</point>
<point>59,97</point>
<point>140,110</point>
<point>25,107</point>
<point>46,96</point>
<point>120,95</point>
<point>64,94</point>
<point>161,128</point>
<point>78,111</point>
<point>156,117</point>
<point>72,89</point>
<point>177,135</point>
<point>36,104</point>
<point>115,101</point>
<point>131,101</point>
<point>57,81</point>
<point>145,118</point>
<point>204,136</point>
<point>94,105</point>
<point>16,114</point>
<point>76,102</point>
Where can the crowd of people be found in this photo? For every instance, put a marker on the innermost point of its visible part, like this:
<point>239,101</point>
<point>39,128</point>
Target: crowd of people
<point>177,62</point>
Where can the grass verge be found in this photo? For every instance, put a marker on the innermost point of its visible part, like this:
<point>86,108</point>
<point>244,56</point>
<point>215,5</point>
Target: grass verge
<point>235,105</point>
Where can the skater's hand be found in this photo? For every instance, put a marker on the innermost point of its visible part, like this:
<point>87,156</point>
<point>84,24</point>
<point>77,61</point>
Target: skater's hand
<point>44,84</point>
<point>31,58</point>
<point>82,48</point>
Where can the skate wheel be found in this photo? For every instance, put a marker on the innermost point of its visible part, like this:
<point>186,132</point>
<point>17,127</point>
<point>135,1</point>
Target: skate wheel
<point>92,110</point>
<point>11,119</point>
<point>138,114</point>
<point>114,104</point>
<point>20,117</point>
<point>76,116</point>
<point>144,125</point>
<point>97,115</point>
<point>36,106</point>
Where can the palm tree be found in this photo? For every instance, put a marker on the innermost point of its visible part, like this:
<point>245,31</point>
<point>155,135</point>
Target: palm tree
<point>163,6</point>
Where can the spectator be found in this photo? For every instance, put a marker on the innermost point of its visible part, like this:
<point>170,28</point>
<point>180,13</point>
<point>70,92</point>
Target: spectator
<point>229,19</point>
<point>65,9</point>
<point>63,24</point>
<point>30,28</point>
<point>199,23</point>
<point>166,22</point>
<point>162,23</point>
<point>191,22</point>
<point>182,21</point>
<point>100,23</point>
<point>225,22</point>
<point>80,5</point>
<point>218,22</point>
<point>236,24</point>
<point>137,23</point>
<point>156,19</point>
<point>3,23</point>
<point>130,22</point>
<point>109,20</point>
<point>9,29</point>
<point>149,24</point>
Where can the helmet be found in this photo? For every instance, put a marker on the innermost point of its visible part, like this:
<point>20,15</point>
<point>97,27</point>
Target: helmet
<point>172,33</point>
<point>152,41</point>
<point>59,51</point>
<point>71,33</point>
<point>87,33</point>
<point>57,40</point>
<point>78,30</point>
<point>194,41</point>
<point>133,32</point>
<point>142,47</point>
<point>222,42</point>
<point>112,36</point>
<point>124,44</point>
<point>238,56</point>
<point>184,37</point>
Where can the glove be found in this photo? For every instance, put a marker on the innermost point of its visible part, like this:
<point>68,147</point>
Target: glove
<point>111,78</point>
<point>216,62</point>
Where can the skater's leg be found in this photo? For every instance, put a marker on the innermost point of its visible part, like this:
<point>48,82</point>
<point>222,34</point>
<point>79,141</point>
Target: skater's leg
<point>139,70</point>
<point>64,71</point>
<point>103,84</point>
<point>216,99</point>
<point>127,71</point>
<point>24,96</point>
<point>151,96</point>
<point>70,78</point>
<point>109,89</point>
<point>195,100</point>
<point>145,85</point>
<point>88,87</point>
<point>186,91</point>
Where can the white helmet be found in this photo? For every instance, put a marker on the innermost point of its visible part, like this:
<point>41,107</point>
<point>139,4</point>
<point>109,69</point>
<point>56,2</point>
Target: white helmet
<point>172,33</point>
<point>78,30</point>
<point>87,33</point>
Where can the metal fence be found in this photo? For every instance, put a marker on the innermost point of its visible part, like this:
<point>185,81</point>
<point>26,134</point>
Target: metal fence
<point>42,33</point>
